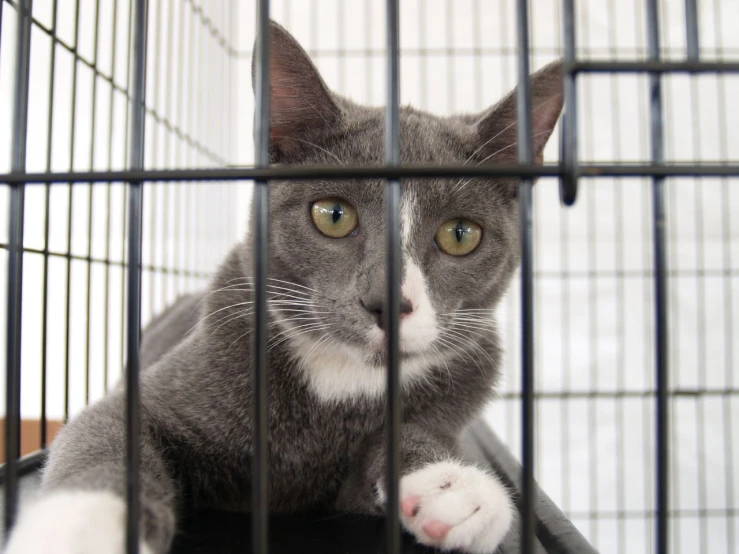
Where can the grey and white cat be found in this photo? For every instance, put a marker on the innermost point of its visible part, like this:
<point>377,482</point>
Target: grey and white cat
<point>326,357</point>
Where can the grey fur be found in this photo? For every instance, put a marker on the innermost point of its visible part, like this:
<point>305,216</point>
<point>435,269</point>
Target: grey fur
<point>196,389</point>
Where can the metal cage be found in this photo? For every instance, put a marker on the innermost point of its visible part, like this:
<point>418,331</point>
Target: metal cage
<point>212,171</point>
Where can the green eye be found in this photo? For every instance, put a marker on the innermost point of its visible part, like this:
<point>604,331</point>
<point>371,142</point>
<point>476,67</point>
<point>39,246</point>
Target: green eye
<point>458,237</point>
<point>334,218</point>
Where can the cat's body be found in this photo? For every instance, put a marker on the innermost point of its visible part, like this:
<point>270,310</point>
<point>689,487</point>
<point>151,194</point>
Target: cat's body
<point>326,396</point>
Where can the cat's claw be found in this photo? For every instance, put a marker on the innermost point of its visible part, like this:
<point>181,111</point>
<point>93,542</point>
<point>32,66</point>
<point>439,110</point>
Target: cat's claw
<point>453,506</point>
<point>72,522</point>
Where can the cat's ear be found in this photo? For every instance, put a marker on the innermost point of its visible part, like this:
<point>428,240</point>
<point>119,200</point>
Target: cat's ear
<point>497,129</point>
<point>300,102</point>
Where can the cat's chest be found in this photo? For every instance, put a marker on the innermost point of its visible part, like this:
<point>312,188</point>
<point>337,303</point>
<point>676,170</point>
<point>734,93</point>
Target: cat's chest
<point>311,428</point>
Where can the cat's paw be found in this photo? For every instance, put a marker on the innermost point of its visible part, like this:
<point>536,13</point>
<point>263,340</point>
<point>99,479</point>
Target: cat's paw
<point>453,506</point>
<point>72,522</point>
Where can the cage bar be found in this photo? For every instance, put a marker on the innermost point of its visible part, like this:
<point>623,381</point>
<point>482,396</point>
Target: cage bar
<point>568,186</point>
<point>653,66</point>
<point>525,196</point>
<point>90,207</point>
<point>47,230</point>
<point>15,263</point>
<point>133,319</point>
<point>70,211</point>
<point>298,173</point>
<point>260,210</point>
<point>691,29</point>
<point>393,263</point>
<point>660,284</point>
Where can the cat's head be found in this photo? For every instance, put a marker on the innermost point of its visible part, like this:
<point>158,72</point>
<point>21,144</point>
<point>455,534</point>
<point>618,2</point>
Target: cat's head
<point>327,238</point>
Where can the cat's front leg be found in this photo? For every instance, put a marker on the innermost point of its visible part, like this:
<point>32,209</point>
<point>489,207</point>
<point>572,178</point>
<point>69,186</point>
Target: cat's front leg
<point>451,505</point>
<point>444,503</point>
<point>81,506</point>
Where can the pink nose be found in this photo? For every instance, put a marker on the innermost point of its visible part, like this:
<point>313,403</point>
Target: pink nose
<point>375,308</point>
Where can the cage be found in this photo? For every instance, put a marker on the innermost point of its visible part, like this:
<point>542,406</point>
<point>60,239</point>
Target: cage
<point>127,141</point>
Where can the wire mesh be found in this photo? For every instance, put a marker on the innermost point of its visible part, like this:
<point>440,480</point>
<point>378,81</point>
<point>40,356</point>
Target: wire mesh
<point>593,394</point>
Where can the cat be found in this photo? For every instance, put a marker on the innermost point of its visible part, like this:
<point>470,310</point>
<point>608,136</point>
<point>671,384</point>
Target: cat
<point>326,352</point>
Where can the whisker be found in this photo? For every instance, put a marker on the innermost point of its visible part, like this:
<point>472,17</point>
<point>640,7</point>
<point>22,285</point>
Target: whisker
<point>472,343</point>
<point>301,311</point>
<point>297,318</point>
<point>440,358</point>
<point>476,323</point>
<point>321,339</point>
<point>465,353</point>
<point>246,278</point>
<point>229,319</point>
<point>289,330</point>
<point>317,327</point>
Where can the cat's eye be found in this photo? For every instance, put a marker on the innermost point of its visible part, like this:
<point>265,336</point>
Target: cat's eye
<point>458,237</point>
<point>335,218</point>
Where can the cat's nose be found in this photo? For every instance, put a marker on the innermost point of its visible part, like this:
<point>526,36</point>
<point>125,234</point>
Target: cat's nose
<point>374,307</point>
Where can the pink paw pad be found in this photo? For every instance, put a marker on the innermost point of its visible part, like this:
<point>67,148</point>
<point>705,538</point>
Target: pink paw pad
<point>409,506</point>
<point>436,530</point>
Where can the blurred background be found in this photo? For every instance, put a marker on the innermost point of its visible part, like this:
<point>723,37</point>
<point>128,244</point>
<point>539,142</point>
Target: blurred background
<point>593,262</point>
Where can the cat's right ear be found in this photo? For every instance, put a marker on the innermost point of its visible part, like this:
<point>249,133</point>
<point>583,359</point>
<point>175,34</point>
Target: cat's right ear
<point>301,104</point>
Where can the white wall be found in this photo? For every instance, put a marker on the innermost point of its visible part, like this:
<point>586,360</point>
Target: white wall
<point>594,326</point>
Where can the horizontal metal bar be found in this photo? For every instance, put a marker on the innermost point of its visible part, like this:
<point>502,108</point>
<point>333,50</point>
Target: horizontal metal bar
<point>614,394</point>
<point>636,66</point>
<point>542,274</point>
<point>374,172</point>
<point>648,514</point>
<point>27,464</point>
<point>115,263</point>
<point>462,51</point>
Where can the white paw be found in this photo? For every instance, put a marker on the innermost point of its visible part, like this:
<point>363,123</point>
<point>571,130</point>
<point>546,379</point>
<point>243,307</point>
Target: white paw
<point>453,506</point>
<point>72,522</point>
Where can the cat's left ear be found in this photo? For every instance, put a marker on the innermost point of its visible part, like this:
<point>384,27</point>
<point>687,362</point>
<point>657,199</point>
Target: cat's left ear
<point>300,102</point>
<point>497,127</point>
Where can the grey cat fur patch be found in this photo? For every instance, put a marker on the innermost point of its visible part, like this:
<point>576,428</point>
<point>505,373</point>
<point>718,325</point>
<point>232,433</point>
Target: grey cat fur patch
<point>326,452</point>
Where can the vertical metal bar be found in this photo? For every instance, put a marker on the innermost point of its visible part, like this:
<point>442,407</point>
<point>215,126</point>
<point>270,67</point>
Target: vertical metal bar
<point>393,269</point>
<point>592,287</point>
<point>260,475</point>
<point>156,187</point>
<point>568,186</point>
<point>660,282</point>
<point>450,65</point>
<point>106,324</point>
<point>15,264</point>
<point>620,316</point>
<point>47,228</point>
<point>423,56</point>
<point>477,53</point>
<point>70,211</point>
<point>503,31</point>
<point>342,48</point>
<point>2,5</point>
<point>525,156</point>
<point>133,319</point>
<point>166,278</point>
<point>188,235</point>
<point>126,154</point>
<point>93,120</point>
<point>691,28</point>
<point>728,289</point>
